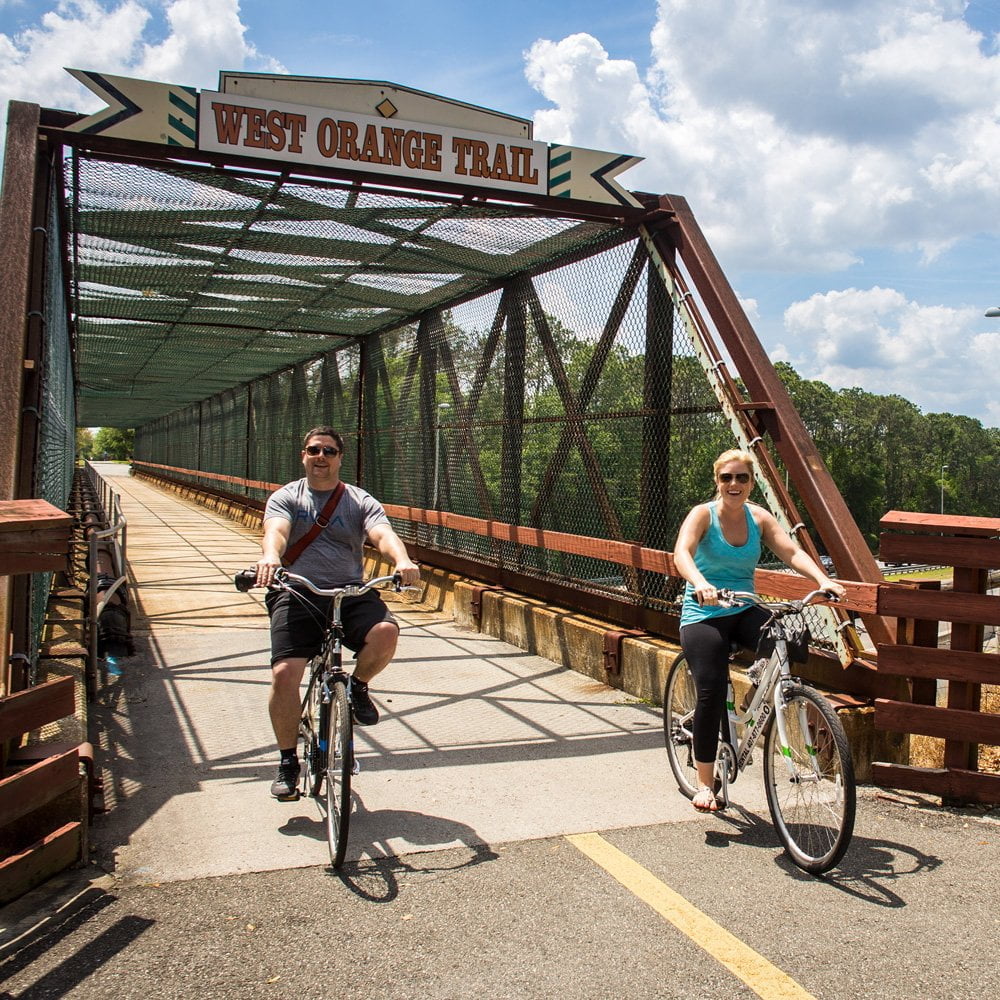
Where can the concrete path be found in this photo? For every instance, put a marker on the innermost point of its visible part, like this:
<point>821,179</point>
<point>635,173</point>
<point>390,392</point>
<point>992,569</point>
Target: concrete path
<point>480,744</point>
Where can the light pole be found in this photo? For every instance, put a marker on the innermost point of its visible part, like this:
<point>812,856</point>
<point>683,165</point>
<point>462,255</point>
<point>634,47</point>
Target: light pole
<point>943,467</point>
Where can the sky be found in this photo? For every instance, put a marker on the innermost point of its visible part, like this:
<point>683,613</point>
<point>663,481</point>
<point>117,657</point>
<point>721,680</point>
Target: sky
<point>842,156</point>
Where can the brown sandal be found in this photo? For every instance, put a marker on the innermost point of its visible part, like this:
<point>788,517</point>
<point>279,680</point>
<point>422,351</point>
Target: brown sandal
<point>704,800</point>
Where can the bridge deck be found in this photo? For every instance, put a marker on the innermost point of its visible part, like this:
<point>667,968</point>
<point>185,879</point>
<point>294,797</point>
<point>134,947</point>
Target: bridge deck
<point>479,743</point>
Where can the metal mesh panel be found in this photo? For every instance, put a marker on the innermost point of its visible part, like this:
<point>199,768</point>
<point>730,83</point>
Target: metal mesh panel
<point>571,399</point>
<point>57,419</point>
<point>572,402</point>
<point>188,281</point>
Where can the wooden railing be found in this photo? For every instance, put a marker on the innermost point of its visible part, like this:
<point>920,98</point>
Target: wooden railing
<point>42,788</point>
<point>971,545</point>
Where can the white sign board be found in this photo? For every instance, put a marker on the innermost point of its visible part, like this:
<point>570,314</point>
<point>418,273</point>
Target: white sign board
<point>268,129</point>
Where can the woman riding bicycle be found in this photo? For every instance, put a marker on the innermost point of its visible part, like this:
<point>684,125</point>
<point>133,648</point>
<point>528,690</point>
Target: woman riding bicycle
<point>718,546</point>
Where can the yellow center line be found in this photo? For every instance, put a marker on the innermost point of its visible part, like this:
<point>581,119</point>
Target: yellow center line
<point>765,979</point>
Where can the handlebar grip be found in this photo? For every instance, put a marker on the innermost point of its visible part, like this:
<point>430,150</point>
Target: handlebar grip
<point>245,579</point>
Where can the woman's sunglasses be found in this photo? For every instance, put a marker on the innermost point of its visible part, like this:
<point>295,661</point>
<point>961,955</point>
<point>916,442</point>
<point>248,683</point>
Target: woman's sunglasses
<point>316,449</point>
<point>740,477</point>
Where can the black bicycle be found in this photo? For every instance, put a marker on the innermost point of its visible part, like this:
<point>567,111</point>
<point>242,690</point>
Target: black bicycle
<point>326,726</point>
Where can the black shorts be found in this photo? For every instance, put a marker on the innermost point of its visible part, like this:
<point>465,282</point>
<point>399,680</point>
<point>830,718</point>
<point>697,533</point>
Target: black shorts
<point>299,621</point>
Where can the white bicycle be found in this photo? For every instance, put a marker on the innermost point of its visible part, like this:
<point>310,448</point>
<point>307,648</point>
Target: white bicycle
<point>808,770</point>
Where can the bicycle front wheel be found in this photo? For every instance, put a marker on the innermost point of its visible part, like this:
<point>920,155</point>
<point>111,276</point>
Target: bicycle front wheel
<point>810,782</point>
<point>339,763</point>
<point>679,697</point>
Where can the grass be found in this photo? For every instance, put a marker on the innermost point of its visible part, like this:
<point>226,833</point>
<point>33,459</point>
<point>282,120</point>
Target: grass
<point>942,573</point>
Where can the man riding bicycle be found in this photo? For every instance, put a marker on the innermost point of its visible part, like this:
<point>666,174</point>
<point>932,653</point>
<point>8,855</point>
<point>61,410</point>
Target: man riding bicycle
<point>320,525</point>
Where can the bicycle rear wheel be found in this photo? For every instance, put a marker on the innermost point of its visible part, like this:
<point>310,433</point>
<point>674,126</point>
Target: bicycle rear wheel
<point>810,783</point>
<point>339,763</point>
<point>311,726</point>
<point>679,697</point>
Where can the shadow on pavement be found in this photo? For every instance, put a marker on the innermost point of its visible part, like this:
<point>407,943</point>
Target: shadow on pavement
<point>863,872</point>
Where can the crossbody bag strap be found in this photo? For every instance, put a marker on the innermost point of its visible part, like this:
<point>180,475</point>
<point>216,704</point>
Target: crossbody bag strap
<point>318,525</point>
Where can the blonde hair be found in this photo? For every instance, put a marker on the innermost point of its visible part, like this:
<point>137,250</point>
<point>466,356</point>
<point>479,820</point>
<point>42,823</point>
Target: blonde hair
<point>733,455</point>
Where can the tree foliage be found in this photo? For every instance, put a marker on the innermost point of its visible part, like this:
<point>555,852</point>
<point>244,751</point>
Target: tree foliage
<point>884,454</point>
<point>114,443</point>
<point>84,444</point>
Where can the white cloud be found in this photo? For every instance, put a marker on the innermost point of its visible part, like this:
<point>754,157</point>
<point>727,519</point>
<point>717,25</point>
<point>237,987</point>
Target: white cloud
<point>800,131</point>
<point>877,339</point>
<point>203,36</point>
<point>807,135</point>
<point>577,75</point>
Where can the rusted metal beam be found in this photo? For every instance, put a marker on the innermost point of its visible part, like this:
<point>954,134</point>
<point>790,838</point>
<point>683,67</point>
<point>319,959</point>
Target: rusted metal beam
<point>830,514</point>
<point>158,155</point>
<point>16,221</point>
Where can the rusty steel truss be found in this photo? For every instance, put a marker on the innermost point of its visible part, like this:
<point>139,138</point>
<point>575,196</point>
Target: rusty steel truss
<point>529,361</point>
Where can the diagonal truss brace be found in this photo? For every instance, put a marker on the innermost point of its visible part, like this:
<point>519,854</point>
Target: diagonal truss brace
<point>836,625</point>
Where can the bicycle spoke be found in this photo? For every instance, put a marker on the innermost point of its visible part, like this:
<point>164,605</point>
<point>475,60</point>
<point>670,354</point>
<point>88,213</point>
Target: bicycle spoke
<point>310,729</point>
<point>810,782</point>
<point>338,773</point>
<point>679,699</point>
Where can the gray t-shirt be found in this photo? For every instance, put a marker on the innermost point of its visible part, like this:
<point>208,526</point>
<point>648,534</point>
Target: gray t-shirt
<point>334,557</point>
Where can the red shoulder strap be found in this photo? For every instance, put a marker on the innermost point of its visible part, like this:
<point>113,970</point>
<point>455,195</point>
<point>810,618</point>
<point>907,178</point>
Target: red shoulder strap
<point>321,522</point>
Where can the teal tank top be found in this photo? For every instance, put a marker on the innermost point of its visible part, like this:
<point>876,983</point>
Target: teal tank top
<point>723,565</point>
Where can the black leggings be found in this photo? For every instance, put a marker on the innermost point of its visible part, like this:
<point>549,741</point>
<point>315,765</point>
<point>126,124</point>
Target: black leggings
<point>707,645</point>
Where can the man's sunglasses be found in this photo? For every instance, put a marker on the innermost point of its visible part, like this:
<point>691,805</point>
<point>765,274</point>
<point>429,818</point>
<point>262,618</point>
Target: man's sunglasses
<point>316,449</point>
<point>740,477</point>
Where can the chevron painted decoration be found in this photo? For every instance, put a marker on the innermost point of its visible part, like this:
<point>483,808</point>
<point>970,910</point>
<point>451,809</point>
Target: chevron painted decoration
<point>140,109</point>
<point>589,174</point>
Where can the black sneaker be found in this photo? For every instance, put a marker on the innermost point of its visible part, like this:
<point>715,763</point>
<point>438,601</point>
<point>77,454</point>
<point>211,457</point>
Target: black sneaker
<point>365,712</point>
<point>285,786</point>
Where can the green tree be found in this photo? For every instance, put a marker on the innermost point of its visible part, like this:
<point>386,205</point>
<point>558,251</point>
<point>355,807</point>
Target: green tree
<point>84,444</point>
<point>114,443</point>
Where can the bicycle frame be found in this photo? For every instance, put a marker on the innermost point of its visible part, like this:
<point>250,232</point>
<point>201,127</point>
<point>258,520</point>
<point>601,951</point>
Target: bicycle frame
<point>326,728</point>
<point>735,752</point>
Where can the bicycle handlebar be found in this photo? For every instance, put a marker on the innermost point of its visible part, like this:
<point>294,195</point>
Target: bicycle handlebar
<point>246,579</point>
<point>733,598</point>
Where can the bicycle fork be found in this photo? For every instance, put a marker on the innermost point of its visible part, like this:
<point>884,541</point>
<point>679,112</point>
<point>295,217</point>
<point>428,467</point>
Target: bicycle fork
<point>796,775</point>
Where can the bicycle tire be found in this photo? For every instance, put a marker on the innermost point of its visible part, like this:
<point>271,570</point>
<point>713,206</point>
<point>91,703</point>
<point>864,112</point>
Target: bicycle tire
<point>679,697</point>
<point>311,726</point>
<point>339,765</point>
<point>813,809</point>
